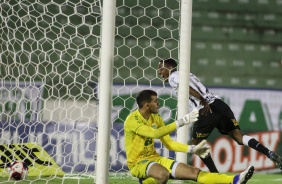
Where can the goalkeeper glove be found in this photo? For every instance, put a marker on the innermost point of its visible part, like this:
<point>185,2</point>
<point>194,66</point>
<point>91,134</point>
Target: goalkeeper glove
<point>188,118</point>
<point>201,149</point>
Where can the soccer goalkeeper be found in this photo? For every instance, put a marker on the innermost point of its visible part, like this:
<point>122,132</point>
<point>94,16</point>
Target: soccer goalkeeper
<point>144,125</point>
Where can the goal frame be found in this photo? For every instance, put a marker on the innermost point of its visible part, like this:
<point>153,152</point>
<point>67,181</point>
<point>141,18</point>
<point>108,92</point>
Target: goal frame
<point>105,90</point>
<point>108,23</point>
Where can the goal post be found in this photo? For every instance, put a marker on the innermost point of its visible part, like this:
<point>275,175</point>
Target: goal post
<point>105,90</point>
<point>184,71</point>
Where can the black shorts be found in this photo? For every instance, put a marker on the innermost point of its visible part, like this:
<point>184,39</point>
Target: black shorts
<point>221,118</point>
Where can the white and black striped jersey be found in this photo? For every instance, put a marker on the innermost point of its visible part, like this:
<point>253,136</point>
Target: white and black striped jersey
<point>195,84</point>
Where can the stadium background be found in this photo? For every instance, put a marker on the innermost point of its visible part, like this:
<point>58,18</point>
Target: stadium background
<point>235,45</point>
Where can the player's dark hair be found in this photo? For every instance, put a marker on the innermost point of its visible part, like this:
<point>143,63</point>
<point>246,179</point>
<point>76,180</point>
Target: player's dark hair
<point>169,62</point>
<point>145,96</point>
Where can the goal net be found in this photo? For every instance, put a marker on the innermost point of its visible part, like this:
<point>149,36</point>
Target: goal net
<point>49,69</point>
<point>49,53</point>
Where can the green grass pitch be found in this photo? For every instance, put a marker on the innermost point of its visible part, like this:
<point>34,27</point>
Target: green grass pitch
<point>256,179</point>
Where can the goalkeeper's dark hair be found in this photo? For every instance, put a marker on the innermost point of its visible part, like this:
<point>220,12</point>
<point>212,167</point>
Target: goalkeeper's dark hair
<point>145,96</point>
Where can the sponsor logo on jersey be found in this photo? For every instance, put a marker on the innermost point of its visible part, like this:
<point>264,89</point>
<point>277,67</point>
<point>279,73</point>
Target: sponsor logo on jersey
<point>235,122</point>
<point>202,135</point>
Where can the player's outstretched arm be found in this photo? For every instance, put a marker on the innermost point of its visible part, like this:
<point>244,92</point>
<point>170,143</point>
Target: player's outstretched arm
<point>201,149</point>
<point>206,107</point>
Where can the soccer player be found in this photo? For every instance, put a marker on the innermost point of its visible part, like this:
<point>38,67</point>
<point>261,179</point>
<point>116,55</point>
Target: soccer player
<point>214,114</point>
<point>144,125</point>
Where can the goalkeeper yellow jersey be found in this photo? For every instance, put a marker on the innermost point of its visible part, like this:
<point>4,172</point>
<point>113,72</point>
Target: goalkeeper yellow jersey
<point>140,134</point>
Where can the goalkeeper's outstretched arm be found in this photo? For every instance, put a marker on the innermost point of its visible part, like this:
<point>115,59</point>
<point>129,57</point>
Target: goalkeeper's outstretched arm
<point>167,129</point>
<point>202,149</point>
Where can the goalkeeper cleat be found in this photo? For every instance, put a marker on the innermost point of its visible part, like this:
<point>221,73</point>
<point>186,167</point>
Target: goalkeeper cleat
<point>148,181</point>
<point>244,176</point>
<point>276,159</point>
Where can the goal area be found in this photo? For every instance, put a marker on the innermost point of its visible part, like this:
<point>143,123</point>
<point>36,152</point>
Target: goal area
<point>50,67</point>
<point>50,77</point>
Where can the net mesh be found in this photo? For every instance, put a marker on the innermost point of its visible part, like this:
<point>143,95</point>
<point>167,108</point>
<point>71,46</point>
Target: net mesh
<point>49,53</point>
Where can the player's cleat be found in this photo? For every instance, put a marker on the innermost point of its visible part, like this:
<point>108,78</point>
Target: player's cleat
<point>244,176</point>
<point>276,159</point>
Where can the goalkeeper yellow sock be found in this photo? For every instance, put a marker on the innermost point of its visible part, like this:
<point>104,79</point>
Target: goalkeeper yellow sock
<point>149,181</point>
<point>207,177</point>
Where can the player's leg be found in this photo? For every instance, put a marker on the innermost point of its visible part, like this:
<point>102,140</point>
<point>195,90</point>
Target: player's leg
<point>230,125</point>
<point>186,172</point>
<point>150,172</point>
<point>158,172</point>
<point>208,161</point>
<point>201,130</point>
<point>183,171</point>
<point>251,142</point>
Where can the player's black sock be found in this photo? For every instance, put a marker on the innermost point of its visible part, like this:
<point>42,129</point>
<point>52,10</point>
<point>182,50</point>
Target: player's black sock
<point>209,163</point>
<point>258,146</point>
